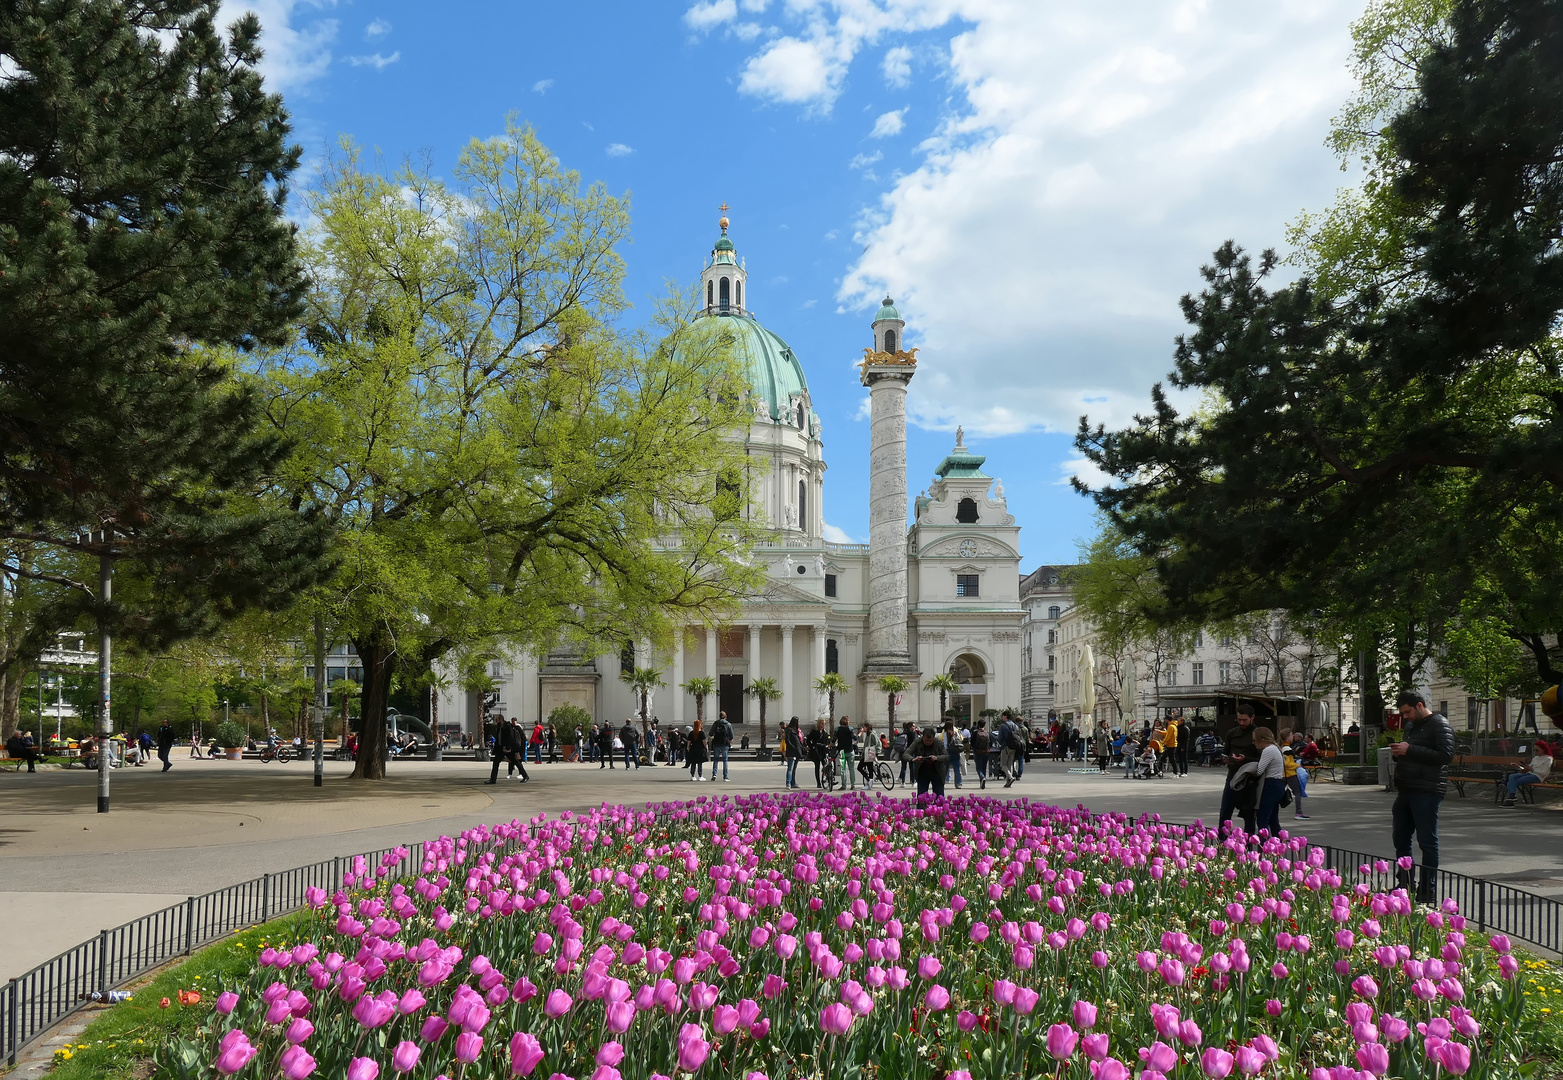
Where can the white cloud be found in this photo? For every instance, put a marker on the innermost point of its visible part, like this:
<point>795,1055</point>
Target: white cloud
<point>747,31</point>
<point>296,38</point>
<point>541,86</point>
<point>375,60</point>
<point>704,17</point>
<point>377,29</point>
<point>864,160</point>
<point>1089,474</point>
<point>618,149</point>
<point>1095,155</point>
<point>898,66</point>
<point>833,535</point>
<point>888,124</point>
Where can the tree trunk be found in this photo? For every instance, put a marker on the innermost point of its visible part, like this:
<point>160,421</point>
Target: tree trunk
<point>890,704</point>
<point>762,723</point>
<point>11,684</point>
<point>1372,694</point>
<point>379,661</point>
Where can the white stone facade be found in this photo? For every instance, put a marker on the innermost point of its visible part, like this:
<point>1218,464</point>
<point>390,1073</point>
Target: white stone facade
<point>941,595</point>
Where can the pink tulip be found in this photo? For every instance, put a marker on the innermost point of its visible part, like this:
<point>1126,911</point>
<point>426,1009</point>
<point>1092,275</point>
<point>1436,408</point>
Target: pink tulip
<point>557,1004</point>
<point>299,1030</point>
<point>966,1020</point>
<point>610,1053</point>
<point>1084,1013</point>
<point>296,1064</point>
<point>468,1046</point>
<point>1273,1007</point>
<point>1364,986</point>
<point>928,967</point>
<point>526,1053</point>
<point>1095,1045</point>
<point>1061,1041</point>
<point>1109,1069</point>
<point>433,1030</point>
<point>1025,1000</point>
<point>226,1002</point>
<point>835,1019</point>
<point>1249,1061</point>
<point>234,1052</point>
<point>724,1018</point>
<point>1374,1058</point>
<point>693,1049</point>
<point>1159,1057</point>
<point>620,1015</point>
<point>363,1069</point>
<point>1189,1034</point>
<point>1003,992</point>
<point>1216,1063</point>
<point>1455,1057</point>
<point>405,1056</point>
<point>937,999</point>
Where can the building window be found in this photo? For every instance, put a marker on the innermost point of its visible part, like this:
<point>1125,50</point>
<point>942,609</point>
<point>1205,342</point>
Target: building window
<point>966,511</point>
<point>1226,641</point>
<point>1471,713</point>
<point>1052,612</point>
<point>1171,673</point>
<point>830,584</point>
<point>803,415</point>
<point>1052,687</point>
<point>889,341</point>
<point>738,293</point>
<point>627,660</point>
<point>724,291</point>
<point>1052,662</point>
<point>709,287</point>
<point>832,656</point>
<point>966,584</point>
<point>1199,639</point>
<point>1224,671</point>
<point>1198,674</point>
<point>1251,671</point>
<point>1052,637</point>
<point>803,504</point>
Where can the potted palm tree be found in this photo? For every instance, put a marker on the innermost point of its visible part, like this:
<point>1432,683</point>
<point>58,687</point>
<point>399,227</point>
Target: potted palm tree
<point>890,686</point>
<point>830,684</point>
<point>763,690</point>
<point>701,687</point>
<point>643,681</point>
<point>945,683</point>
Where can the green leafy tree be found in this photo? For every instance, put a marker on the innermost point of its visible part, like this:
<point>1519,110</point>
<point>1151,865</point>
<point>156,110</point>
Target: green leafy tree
<point>143,172</point>
<point>502,465</point>
<point>764,690</point>
<point>1377,438</point>
<point>831,684</point>
<point>944,684</point>
<point>890,686</point>
<point>701,687</point>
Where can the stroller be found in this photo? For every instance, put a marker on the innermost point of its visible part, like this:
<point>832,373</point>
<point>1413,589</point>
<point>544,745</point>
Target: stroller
<point>1142,760</point>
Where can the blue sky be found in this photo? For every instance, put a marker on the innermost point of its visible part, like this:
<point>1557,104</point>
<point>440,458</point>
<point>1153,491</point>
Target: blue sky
<point>1035,181</point>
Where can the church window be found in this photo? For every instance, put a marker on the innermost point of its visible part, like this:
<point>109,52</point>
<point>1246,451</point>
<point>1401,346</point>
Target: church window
<point>1052,662</point>
<point>627,660</point>
<point>801,416</point>
<point>738,293</point>
<point>966,584</point>
<point>724,292</point>
<point>832,657</point>
<point>1052,612</point>
<point>966,512</point>
<point>830,584</point>
<point>889,341</point>
<point>709,287</point>
<point>803,506</point>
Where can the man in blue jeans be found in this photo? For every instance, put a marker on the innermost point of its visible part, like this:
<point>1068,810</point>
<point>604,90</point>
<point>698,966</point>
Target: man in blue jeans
<point>1422,760</point>
<point>721,742</point>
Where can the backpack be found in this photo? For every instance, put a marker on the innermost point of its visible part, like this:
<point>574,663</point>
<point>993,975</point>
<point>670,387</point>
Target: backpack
<point>723,734</point>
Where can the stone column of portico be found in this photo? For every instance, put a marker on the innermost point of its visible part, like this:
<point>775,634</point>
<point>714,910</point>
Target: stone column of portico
<point>887,382</point>
<point>754,661</point>
<point>786,671</point>
<point>711,655</point>
<point>817,671</point>
<point>676,714</point>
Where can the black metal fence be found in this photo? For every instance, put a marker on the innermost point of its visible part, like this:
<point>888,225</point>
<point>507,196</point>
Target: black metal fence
<point>33,1003</point>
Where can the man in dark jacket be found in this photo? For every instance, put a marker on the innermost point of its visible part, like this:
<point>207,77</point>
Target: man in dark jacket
<point>1421,778</point>
<point>721,743</point>
<point>630,738</point>
<point>165,744</point>
<point>1240,751</point>
<point>503,748</point>
<point>930,760</point>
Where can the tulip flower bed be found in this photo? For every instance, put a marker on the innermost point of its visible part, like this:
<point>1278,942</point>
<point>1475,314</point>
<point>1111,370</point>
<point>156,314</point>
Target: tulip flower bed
<point>811,936</point>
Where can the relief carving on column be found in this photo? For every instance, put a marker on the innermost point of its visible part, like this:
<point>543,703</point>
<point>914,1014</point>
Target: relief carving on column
<point>851,639</point>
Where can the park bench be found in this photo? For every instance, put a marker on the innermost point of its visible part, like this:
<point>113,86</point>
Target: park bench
<point>1324,764</point>
<point>1493,770</point>
<point>16,763</point>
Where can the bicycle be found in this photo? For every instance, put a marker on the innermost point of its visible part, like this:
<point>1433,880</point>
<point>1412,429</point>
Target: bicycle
<point>281,753</point>
<point>830,773</point>
<point>885,776</point>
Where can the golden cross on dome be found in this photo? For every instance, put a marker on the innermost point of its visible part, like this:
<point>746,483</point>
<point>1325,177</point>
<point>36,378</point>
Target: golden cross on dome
<point>723,222</point>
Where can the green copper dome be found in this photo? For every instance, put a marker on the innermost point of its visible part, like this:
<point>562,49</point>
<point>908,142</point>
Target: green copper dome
<point>775,374</point>
<point>887,311</point>
<point>724,244</point>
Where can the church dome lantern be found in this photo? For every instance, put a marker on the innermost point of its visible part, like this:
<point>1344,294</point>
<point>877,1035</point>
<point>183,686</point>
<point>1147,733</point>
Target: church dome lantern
<point>889,329</point>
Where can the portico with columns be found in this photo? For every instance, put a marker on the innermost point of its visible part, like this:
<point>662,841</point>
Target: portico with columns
<point>935,590</point>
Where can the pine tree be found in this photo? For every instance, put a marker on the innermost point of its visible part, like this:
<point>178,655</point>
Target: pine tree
<point>143,170</point>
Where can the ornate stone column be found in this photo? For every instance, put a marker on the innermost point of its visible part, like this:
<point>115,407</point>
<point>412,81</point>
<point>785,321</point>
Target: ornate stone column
<point>711,655</point>
<point>676,714</point>
<point>786,672</point>
<point>816,671</point>
<point>886,377</point>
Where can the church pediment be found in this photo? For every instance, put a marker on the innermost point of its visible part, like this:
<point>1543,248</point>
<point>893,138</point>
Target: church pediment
<point>973,546</point>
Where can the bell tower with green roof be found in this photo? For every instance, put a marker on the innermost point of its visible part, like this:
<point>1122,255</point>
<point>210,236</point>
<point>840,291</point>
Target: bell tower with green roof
<point>725,281</point>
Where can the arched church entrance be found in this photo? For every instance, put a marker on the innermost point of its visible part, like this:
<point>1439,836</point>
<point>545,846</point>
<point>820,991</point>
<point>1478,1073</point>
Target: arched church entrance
<point>972,674</point>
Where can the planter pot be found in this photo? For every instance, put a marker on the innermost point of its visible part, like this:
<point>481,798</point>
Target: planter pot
<point>1361,775</point>
<point>234,753</point>
<point>763,754</point>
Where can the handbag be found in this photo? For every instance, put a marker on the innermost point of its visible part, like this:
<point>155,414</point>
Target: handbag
<point>1286,798</point>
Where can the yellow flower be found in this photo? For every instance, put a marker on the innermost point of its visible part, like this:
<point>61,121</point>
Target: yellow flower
<point>63,1055</point>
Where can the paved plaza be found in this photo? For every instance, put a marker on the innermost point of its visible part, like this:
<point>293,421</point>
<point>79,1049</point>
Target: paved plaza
<point>67,872</point>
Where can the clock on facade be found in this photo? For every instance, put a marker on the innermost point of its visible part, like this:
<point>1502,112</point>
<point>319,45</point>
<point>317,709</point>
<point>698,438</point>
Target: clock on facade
<point>968,549</point>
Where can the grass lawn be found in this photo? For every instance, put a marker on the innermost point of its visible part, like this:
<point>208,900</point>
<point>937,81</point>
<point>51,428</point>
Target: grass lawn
<point>119,1043</point>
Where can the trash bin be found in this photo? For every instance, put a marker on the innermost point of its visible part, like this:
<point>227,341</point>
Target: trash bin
<point>1386,768</point>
